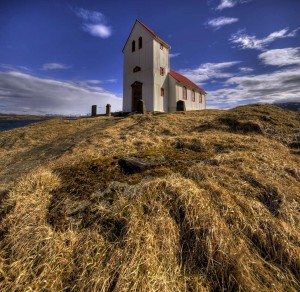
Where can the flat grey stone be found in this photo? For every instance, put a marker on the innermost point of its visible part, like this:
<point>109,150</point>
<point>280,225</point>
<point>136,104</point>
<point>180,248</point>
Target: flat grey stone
<point>132,165</point>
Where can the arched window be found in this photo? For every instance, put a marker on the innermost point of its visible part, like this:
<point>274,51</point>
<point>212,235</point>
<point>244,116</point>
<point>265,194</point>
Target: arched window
<point>133,46</point>
<point>140,42</point>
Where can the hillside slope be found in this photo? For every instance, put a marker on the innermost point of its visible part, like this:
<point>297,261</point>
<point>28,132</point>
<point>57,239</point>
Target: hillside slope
<point>212,203</point>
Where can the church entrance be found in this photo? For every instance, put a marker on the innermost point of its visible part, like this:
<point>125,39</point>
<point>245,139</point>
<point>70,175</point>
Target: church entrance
<point>136,95</point>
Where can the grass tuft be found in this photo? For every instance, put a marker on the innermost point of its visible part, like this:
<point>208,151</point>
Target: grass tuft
<point>221,213</point>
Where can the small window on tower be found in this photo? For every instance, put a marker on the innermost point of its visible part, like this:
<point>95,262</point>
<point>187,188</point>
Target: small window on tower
<point>162,71</point>
<point>161,46</point>
<point>140,42</point>
<point>162,92</point>
<point>133,46</point>
<point>136,69</point>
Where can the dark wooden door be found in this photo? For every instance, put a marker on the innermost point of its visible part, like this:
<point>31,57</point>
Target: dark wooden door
<point>136,94</point>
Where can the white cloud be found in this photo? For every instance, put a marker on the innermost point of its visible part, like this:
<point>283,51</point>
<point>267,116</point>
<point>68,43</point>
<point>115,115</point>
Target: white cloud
<point>281,57</point>
<point>208,71</point>
<point>217,23</point>
<point>16,68</point>
<point>245,41</point>
<point>277,86</point>
<point>94,22</point>
<point>226,4</point>
<point>174,55</point>
<point>238,85</point>
<point>54,66</point>
<point>24,93</point>
<point>230,3</point>
<point>89,16</point>
<point>98,30</point>
<point>246,69</point>
<point>101,81</point>
<point>111,80</point>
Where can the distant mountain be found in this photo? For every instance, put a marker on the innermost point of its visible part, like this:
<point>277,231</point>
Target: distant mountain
<point>292,106</point>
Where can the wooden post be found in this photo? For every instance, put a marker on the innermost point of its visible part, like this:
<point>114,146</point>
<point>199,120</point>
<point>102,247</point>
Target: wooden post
<point>108,110</point>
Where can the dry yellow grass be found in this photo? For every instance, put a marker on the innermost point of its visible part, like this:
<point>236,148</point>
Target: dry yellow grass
<point>222,213</point>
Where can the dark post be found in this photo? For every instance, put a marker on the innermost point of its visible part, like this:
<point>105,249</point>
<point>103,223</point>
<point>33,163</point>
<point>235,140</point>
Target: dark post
<point>180,106</point>
<point>94,110</point>
<point>108,110</point>
<point>141,108</point>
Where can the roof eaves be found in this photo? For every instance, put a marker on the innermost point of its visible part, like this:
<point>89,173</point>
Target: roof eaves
<point>156,37</point>
<point>185,81</point>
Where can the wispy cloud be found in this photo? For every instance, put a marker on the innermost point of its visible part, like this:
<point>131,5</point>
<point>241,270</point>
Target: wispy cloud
<point>281,57</point>
<point>101,81</point>
<point>24,93</point>
<point>239,85</point>
<point>246,41</point>
<point>94,22</point>
<point>98,30</point>
<point>217,23</point>
<point>55,66</point>
<point>209,71</point>
<point>174,55</point>
<point>89,16</point>
<point>14,68</point>
<point>246,69</point>
<point>277,86</point>
<point>230,3</point>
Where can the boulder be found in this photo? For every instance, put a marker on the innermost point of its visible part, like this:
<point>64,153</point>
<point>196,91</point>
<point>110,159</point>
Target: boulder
<point>141,108</point>
<point>132,165</point>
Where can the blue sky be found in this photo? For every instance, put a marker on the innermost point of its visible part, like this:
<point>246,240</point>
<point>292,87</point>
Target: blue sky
<point>60,57</point>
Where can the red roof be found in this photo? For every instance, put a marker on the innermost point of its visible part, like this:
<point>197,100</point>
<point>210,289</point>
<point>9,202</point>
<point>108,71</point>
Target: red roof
<point>184,80</point>
<point>151,32</point>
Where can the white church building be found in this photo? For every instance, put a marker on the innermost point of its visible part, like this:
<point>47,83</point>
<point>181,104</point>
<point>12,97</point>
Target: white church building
<point>147,75</point>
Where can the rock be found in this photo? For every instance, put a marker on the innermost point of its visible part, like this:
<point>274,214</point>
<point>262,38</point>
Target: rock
<point>132,165</point>
<point>141,108</point>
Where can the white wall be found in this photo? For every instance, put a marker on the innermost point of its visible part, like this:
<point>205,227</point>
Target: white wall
<point>161,59</point>
<point>142,58</point>
<point>189,104</point>
<point>176,93</point>
<point>173,95</point>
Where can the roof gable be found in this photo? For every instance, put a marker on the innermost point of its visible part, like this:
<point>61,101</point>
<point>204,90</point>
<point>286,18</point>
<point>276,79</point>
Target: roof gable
<point>182,79</point>
<point>152,33</point>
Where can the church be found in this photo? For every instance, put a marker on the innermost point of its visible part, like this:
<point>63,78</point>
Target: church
<point>148,77</point>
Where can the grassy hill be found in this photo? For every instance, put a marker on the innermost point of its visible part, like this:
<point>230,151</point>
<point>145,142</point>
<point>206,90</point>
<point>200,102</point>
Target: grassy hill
<point>213,203</point>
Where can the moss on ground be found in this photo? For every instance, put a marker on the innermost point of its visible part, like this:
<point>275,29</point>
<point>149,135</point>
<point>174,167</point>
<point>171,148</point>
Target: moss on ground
<point>221,212</point>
